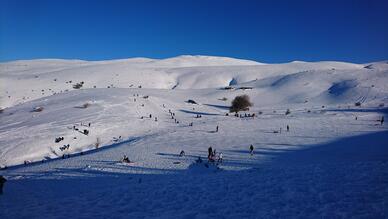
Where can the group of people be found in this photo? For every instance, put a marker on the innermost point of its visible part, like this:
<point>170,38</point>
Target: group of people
<point>212,155</point>
<point>65,147</point>
<point>125,159</point>
<point>173,116</point>
<point>59,139</point>
<point>246,115</point>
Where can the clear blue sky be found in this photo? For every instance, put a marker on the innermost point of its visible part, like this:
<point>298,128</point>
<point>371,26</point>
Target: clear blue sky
<point>266,31</point>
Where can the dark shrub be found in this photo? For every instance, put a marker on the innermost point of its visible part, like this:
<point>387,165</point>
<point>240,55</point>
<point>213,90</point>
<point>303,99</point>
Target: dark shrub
<point>240,103</point>
<point>191,101</point>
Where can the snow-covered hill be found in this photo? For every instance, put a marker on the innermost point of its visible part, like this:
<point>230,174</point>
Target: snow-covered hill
<point>145,102</point>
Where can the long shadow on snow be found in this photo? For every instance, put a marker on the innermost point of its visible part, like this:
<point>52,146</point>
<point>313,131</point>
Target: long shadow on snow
<point>199,113</point>
<point>365,147</point>
<point>133,191</point>
<point>92,151</point>
<point>362,110</point>
<point>218,106</point>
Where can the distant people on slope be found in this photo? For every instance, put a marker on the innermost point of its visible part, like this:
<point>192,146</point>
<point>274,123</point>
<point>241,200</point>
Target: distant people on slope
<point>182,153</point>
<point>382,120</point>
<point>57,140</point>
<point>251,149</point>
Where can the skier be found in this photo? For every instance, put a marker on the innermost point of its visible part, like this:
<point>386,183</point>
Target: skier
<point>382,120</point>
<point>251,149</point>
<point>2,181</point>
<point>182,153</point>
<point>288,128</point>
<point>217,128</point>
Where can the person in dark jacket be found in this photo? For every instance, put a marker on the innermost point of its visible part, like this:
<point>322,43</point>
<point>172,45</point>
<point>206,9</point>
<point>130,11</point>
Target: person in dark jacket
<point>2,181</point>
<point>251,149</point>
<point>210,152</point>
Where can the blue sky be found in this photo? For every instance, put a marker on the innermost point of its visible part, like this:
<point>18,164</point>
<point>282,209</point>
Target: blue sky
<point>265,31</point>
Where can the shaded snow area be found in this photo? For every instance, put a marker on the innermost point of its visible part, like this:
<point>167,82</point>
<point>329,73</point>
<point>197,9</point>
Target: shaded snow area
<point>65,126</point>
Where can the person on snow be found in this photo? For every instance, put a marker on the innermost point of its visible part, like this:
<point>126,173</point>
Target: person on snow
<point>382,120</point>
<point>217,128</point>
<point>251,149</point>
<point>210,153</point>
<point>182,153</point>
<point>288,128</point>
<point>125,159</point>
<point>220,156</point>
<point>2,181</point>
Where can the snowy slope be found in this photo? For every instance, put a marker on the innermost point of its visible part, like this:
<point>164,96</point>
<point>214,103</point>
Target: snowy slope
<point>309,171</point>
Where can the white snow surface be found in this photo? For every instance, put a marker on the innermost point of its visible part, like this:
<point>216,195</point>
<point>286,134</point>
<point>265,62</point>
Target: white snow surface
<point>332,163</point>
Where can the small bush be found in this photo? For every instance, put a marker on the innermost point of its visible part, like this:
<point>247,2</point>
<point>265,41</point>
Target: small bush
<point>240,103</point>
